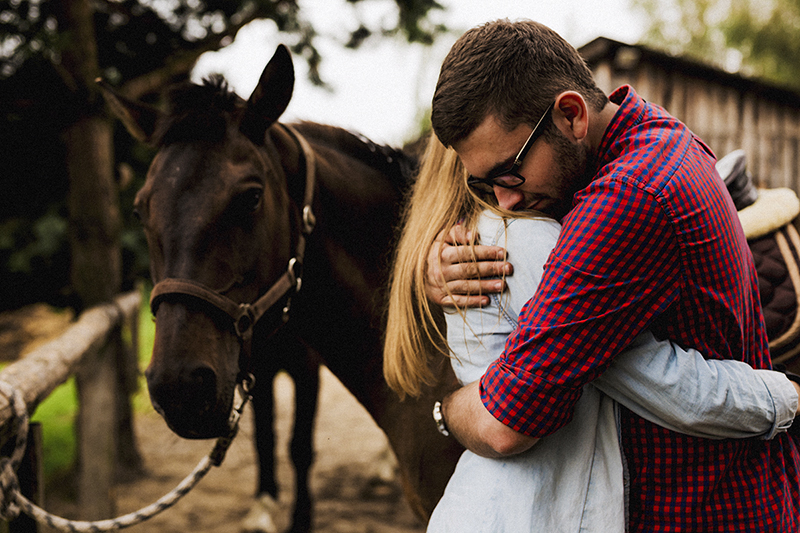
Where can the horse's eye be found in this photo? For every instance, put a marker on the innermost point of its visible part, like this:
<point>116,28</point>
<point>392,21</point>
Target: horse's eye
<point>248,201</point>
<point>137,215</point>
<point>254,199</point>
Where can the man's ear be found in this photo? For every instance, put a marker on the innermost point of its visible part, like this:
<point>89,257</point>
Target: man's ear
<point>571,115</point>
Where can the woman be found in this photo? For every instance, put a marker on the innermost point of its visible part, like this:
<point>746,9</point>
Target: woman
<point>571,480</point>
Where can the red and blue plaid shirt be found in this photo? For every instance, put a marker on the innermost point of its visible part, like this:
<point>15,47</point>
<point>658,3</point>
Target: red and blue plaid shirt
<point>652,242</point>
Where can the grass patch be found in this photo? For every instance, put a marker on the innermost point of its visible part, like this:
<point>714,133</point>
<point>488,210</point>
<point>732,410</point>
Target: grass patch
<point>147,336</point>
<point>57,416</point>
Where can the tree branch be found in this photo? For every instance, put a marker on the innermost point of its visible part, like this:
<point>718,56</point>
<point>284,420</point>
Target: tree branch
<point>182,62</point>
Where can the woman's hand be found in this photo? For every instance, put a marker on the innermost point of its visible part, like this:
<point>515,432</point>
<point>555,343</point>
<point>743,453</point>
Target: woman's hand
<point>458,274</point>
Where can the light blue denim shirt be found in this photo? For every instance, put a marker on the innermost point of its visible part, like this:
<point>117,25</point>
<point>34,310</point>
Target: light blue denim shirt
<point>572,480</point>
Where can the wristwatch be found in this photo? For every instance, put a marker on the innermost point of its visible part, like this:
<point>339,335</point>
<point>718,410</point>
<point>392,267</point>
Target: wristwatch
<point>439,419</point>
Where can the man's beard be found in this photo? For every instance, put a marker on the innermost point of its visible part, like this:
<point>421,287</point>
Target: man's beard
<point>576,169</point>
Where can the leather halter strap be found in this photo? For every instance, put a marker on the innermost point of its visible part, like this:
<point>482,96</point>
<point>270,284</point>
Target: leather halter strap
<point>245,315</point>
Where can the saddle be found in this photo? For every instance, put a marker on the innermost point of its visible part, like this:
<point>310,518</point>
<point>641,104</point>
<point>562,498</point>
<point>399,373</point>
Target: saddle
<point>768,217</point>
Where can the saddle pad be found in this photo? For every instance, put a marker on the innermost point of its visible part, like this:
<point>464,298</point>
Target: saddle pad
<point>776,259</point>
<point>773,209</point>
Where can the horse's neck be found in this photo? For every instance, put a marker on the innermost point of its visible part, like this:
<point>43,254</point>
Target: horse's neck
<point>346,275</point>
<point>339,310</point>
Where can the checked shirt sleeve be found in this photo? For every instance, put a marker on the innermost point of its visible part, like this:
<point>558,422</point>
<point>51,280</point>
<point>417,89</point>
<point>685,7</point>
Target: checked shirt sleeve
<point>612,271</point>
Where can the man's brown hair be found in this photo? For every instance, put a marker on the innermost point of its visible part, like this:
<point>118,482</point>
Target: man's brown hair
<point>511,69</point>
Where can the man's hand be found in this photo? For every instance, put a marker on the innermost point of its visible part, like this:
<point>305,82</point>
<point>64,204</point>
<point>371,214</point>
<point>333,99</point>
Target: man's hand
<point>461,275</point>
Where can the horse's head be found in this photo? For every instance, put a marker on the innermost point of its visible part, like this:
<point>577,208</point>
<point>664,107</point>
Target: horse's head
<point>216,213</point>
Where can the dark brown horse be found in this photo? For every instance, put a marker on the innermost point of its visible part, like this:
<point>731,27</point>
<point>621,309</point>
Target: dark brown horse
<point>238,209</point>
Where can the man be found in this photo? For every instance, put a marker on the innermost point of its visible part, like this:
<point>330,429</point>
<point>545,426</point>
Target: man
<point>650,239</point>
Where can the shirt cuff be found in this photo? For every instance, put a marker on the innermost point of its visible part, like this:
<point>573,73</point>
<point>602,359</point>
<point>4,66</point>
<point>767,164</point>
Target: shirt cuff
<point>525,402</point>
<point>784,400</point>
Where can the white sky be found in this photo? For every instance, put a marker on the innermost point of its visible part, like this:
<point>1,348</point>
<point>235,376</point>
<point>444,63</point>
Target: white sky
<point>381,89</point>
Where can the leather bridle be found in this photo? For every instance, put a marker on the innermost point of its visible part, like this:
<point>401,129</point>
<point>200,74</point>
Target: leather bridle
<point>246,315</point>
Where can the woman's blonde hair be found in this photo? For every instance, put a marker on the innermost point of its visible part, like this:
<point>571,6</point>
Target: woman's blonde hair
<point>415,334</point>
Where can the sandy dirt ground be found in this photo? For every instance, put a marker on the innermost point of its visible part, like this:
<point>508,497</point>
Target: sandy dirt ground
<point>347,499</point>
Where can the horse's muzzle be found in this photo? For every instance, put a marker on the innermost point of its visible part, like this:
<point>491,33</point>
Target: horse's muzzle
<point>191,407</point>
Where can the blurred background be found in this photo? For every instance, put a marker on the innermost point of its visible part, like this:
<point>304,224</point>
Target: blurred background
<point>367,65</point>
<point>383,88</point>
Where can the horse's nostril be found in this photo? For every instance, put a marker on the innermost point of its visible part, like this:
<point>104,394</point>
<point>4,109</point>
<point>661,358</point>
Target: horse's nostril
<point>194,391</point>
<point>202,389</point>
<point>203,378</point>
<point>157,407</point>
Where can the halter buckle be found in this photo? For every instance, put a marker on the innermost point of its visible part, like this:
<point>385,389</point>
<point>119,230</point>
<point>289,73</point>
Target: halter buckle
<point>243,324</point>
<point>309,220</point>
<point>295,271</point>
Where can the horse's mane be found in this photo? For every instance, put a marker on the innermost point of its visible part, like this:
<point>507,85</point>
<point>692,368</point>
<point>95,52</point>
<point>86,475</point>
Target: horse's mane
<point>202,113</point>
<point>400,166</point>
<point>198,112</point>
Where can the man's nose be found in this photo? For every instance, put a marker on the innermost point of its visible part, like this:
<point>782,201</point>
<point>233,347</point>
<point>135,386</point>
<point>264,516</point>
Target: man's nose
<point>508,199</point>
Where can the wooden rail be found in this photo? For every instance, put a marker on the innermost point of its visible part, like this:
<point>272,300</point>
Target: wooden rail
<point>92,350</point>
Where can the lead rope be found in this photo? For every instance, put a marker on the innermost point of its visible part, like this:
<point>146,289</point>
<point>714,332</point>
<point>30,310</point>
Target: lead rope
<point>12,500</point>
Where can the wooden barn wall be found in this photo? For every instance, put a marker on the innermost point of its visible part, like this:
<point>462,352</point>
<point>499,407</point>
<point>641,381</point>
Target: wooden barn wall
<point>725,118</point>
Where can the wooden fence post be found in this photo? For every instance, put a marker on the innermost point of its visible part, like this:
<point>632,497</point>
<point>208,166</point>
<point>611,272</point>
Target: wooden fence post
<point>129,461</point>
<point>97,426</point>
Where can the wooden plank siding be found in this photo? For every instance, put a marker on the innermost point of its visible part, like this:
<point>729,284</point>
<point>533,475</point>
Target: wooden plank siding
<point>726,110</point>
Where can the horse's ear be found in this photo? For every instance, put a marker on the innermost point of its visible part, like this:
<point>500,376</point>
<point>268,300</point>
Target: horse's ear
<point>139,119</point>
<point>270,97</point>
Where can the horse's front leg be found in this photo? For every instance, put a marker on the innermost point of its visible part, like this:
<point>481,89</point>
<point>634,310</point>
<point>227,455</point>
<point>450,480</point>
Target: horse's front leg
<point>305,373</point>
<point>269,514</point>
<point>266,515</point>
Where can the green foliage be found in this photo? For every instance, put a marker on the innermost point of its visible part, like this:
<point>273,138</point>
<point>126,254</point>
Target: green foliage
<point>768,35</point>
<point>757,37</point>
<point>135,37</point>
<point>35,259</point>
<point>413,21</point>
<point>25,244</point>
<point>682,25</point>
<point>27,28</point>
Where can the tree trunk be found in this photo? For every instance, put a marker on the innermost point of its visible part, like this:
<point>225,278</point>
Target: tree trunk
<point>96,270</point>
<point>94,211</point>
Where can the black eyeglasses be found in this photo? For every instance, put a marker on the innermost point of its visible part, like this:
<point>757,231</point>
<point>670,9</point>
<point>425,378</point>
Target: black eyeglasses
<point>509,178</point>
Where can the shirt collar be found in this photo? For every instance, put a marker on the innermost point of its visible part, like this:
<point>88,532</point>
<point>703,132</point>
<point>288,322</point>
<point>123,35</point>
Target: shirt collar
<point>631,112</point>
